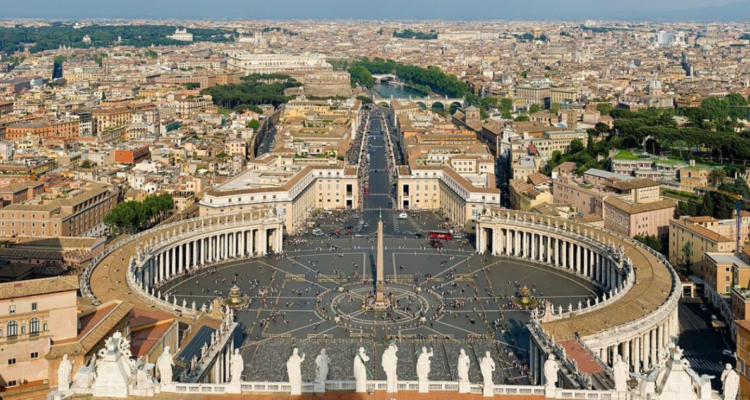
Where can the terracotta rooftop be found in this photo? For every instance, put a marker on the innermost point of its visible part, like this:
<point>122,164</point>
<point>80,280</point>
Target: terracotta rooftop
<point>38,286</point>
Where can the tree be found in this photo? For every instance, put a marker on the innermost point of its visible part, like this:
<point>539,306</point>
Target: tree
<point>685,262</point>
<point>715,108</point>
<point>364,99</point>
<point>707,207</point>
<point>554,108</point>
<point>86,164</point>
<point>604,108</point>
<point>651,241</point>
<point>534,109</point>
<point>576,146</point>
<point>717,176</point>
<point>737,106</point>
<point>254,124</point>
<point>522,118</point>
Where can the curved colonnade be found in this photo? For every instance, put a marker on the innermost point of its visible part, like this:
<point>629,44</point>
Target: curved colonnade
<point>152,258</point>
<point>637,316</point>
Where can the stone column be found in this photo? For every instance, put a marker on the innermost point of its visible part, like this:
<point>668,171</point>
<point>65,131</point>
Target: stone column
<point>508,235</point>
<point>263,241</point>
<point>637,354</point>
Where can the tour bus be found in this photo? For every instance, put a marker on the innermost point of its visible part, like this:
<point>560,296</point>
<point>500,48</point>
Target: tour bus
<point>444,235</point>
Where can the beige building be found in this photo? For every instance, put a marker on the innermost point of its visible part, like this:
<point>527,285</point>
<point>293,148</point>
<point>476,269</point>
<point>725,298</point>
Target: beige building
<point>80,214</point>
<point>275,182</point>
<point>635,218</point>
<point>703,235</point>
<point>34,314</point>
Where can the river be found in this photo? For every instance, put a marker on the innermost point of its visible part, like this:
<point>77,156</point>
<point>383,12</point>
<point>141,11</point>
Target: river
<point>397,91</point>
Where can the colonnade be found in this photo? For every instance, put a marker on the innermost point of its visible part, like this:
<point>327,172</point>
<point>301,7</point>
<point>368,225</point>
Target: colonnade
<point>206,248</point>
<point>565,252</point>
<point>638,342</point>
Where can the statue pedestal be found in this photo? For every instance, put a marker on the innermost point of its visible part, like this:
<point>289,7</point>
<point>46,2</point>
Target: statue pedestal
<point>488,391</point>
<point>361,386</point>
<point>234,388</point>
<point>550,392</point>
<point>296,390</point>
<point>464,387</point>
<point>424,386</point>
<point>319,387</point>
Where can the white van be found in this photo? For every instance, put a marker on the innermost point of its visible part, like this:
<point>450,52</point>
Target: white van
<point>403,215</point>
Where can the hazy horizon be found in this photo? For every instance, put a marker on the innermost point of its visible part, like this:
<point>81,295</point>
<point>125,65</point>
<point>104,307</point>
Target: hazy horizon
<point>355,9</point>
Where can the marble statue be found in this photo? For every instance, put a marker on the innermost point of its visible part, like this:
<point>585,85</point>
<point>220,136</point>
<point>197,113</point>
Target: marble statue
<point>487,367</point>
<point>730,382</point>
<point>550,372</point>
<point>294,370</point>
<point>463,366</point>
<point>165,363</point>
<point>321,366</point>
<point>620,373</point>
<point>360,370</point>
<point>390,365</point>
<point>423,364</point>
<point>84,378</point>
<point>63,374</point>
<point>237,366</point>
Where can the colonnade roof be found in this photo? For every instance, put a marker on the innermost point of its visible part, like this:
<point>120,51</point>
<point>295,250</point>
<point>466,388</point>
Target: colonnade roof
<point>651,289</point>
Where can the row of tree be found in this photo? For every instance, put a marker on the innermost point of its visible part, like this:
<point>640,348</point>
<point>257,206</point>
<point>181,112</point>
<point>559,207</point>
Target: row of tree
<point>431,77</point>
<point>131,215</point>
<point>250,93</point>
<point>13,39</point>
<point>412,34</point>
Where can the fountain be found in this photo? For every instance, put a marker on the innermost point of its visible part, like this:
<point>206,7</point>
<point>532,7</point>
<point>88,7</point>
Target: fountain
<point>523,298</point>
<point>235,298</point>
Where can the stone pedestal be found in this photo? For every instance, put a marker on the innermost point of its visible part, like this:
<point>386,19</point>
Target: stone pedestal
<point>234,388</point>
<point>550,392</point>
<point>361,386</point>
<point>296,390</point>
<point>424,386</point>
<point>464,387</point>
<point>319,387</point>
<point>488,391</point>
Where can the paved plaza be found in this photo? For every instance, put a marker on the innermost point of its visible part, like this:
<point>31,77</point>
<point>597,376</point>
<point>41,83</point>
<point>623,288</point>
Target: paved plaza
<point>449,299</point>
<point>311,298</point>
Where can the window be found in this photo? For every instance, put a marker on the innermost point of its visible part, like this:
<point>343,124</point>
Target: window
<point>34,326</point>
<point>34,355</point>
<point>11,361</point>
<point>12,383</point>
<point>33,306</point>
<point>12,328</point>
<point>45,327</point>
<point>12,310</point>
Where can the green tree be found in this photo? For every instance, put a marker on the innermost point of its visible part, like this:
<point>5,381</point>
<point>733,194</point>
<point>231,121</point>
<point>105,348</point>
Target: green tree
<point>254,124</point>
<point>522,118</point>
<point>554,108</point>
<point>715,108</point>
<point>364,99</point>
<point>651,241</point>
<point>737,106</point>
<point>604,108</point>
<point>534,109</point>
<point>707,207</point>
<point>361,75</point>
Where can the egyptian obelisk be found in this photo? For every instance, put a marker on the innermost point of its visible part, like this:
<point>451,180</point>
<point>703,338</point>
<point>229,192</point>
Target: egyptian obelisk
<point>379,276</point>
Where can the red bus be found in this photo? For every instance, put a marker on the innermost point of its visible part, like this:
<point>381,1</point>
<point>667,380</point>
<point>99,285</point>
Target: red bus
<point>444,235</point>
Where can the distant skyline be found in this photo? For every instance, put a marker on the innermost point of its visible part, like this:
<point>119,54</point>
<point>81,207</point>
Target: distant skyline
<point>381,9</point>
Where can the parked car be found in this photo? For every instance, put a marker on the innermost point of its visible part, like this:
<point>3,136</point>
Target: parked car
<point>403,215</point>
<point>318,232</point>
<point>703,307</point>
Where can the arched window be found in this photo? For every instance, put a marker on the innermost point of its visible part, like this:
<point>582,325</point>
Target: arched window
<point>45,327</point>
<point>34,326</point>
<point>12,329</point>
<point>23,329</point>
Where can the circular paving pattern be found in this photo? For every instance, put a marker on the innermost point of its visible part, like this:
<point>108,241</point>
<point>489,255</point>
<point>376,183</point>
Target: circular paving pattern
<point>347,306</point>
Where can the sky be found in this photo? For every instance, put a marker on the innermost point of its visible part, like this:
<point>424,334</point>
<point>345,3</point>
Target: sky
<point>348,9</point>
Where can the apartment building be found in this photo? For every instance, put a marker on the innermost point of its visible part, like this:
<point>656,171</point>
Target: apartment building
<point>106,118</point>
<point>532,94</point>
<point>81,213</point>
<point>690,238</point>
<point>743,356</point>
<point>62,129</point>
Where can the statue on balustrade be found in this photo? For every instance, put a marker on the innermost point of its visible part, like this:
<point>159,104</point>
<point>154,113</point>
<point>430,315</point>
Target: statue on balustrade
<point>730,383</point>
<point>165,363</point>
<point>360,370</point>
<point>321,366</point>
<point>463,366</point>
<point>237,366</point>
<point>550,372</point>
